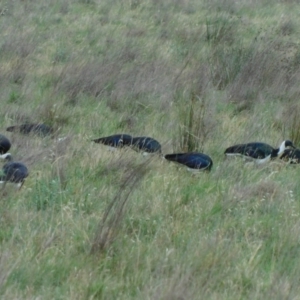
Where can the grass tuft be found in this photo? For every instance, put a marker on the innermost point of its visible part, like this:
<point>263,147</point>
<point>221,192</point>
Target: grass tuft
<point>109,227</point>
<point>195,127</point>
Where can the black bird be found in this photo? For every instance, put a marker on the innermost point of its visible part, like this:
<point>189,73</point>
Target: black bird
<point>146,145</point>
<point>40,129</point>
<point>259,152</point>
<point>4,147</point>
<point>14,172</point>
<point>193,160</point>
<point>291,155</point>
<point>115,141</point>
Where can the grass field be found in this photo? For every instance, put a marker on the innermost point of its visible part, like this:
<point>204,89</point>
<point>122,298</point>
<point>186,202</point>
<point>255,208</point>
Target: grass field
<point>196,76</point>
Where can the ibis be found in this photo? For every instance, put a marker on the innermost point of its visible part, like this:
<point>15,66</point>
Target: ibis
<point>257,151</point>
<point>115,141</point>
<point>39,129</point>
<point>291,155</point>
<point>194,161</point>
<point>146,145</point>
<point>14,172</point>
<point>4,147</point>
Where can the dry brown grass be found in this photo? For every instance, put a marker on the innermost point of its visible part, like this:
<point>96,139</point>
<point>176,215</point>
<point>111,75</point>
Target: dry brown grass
<point>178,287</point>
<point>19,44</point>
<point>258,72</point>
<point>264,189</point>
<point>91,78</point>
<point>265,75</point>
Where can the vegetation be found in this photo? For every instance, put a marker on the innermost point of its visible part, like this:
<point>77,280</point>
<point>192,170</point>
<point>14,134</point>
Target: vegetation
<point>195,75</point>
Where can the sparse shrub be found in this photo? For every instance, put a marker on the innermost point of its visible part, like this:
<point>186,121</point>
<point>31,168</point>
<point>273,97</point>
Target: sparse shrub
<point>194,126</point>
<point>194,108</point>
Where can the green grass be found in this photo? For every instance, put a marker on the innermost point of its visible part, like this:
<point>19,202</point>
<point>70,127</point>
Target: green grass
<point>195,75</point>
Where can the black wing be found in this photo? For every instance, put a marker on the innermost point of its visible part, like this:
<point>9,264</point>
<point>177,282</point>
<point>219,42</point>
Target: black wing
<point>254,150</point>
<point>192,160</point>
<point>37,129</point>
<point>14,172</point>
<point>146,144</point>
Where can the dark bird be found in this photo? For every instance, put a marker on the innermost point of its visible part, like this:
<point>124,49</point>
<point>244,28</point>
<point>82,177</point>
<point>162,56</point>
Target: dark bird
<point>4,147</point>
<point>146,145</point>
<point>14,172</point>
<point>115,141</point>
<point>193,160</point>
<point>41,129</point>
<point>291,155</point>
<point>258,152</point>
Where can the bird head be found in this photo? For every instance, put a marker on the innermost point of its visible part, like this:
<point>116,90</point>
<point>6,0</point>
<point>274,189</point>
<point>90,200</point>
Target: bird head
<point>290,144</point>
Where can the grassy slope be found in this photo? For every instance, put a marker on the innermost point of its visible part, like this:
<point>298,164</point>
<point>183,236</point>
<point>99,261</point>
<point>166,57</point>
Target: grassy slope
<point>93,68</point>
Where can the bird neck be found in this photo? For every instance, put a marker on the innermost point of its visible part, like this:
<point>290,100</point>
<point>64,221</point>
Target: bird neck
<point>279,151</point>
<point>6,156</point>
